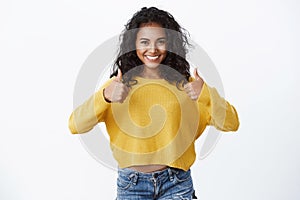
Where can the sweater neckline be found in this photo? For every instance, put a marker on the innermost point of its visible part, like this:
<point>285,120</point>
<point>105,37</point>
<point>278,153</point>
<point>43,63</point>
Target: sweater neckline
<point>150,79</point>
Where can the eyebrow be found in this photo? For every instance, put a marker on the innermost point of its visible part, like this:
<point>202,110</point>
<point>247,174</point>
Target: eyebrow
<point>156,39</point>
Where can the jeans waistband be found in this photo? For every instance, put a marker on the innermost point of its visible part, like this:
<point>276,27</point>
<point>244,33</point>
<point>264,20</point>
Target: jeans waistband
<point>135,175</point>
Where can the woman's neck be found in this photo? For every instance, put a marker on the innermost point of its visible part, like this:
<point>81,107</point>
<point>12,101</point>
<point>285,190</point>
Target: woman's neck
<point>150,73</point>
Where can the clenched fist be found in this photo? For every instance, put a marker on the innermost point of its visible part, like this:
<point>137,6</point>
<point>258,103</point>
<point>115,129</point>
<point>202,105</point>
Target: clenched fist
<point>116,91</point>
<point>193,89</point>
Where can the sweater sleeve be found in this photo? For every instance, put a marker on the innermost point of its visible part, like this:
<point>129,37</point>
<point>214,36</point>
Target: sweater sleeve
<point>90,113</point>
<point>218,112</point>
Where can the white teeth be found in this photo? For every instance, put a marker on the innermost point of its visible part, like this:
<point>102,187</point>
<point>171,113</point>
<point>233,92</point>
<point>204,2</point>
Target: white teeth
<point>152,57</point>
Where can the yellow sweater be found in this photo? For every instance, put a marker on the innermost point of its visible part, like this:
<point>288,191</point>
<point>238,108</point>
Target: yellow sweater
<point>156,124</point>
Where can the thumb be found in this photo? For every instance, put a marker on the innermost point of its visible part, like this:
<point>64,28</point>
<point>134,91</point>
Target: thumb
<point>119,76</point>
<point>197,77</point>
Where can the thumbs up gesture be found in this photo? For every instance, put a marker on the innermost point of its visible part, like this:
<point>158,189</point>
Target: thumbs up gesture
<point>116,91</point>
<point>193,89</point>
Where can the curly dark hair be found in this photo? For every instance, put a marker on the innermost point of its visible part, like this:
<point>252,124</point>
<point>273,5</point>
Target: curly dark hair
<point>177,48</point>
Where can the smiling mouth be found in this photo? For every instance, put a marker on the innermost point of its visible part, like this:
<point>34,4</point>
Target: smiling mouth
<point>152,58</point>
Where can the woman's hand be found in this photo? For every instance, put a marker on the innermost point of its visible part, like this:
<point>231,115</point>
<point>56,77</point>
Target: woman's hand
<point>193,89</point>
<point>116,91</point>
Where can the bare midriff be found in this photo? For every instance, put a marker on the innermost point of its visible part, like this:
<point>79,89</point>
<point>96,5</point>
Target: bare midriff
<point>148,168</point>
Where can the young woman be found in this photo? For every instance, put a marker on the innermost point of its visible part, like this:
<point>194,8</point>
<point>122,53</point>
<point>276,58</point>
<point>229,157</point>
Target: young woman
<point>154,110</point>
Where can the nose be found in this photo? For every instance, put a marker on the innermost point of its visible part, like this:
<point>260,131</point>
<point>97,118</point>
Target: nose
<point>152,48</point>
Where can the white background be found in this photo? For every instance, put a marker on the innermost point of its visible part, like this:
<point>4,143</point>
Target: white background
<point>254,45</point>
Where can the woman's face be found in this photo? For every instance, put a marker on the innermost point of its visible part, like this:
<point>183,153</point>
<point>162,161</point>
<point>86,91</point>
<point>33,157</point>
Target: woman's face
<point>151,45</point>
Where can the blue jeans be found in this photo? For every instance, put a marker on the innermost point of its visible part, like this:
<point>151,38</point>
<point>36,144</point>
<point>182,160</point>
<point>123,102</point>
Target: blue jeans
<point>168,184</point>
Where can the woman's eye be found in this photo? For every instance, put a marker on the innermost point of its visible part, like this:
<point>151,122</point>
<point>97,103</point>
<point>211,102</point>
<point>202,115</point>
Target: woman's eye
<point>144,42</point>
<point>161,42</point>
